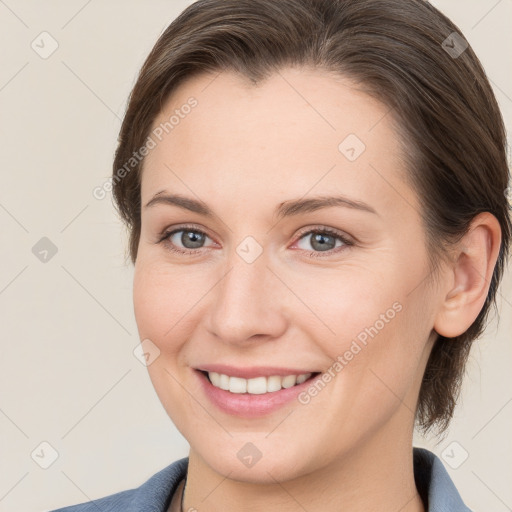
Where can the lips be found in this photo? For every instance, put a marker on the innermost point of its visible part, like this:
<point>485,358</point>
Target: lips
<point>249,404</point>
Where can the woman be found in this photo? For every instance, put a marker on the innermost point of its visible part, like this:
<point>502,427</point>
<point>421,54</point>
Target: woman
<point>316,198</point>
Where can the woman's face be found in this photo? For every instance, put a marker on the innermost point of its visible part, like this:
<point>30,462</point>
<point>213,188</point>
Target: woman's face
<point>257,294</point>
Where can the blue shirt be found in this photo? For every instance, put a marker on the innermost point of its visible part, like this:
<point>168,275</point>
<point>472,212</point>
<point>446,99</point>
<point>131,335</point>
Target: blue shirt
<point>432,481</point>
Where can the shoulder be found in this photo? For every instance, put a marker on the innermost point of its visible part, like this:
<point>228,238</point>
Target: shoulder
<point>434,484</point>
<point>153,495</point>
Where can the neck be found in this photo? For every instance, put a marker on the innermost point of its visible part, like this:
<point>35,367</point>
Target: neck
<point>376,476</point>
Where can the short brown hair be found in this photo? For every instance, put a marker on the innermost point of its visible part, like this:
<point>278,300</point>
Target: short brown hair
<point>398,50</point>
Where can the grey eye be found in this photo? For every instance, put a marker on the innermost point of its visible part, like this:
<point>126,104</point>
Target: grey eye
<point>190,239</point>
<point>319,241</point>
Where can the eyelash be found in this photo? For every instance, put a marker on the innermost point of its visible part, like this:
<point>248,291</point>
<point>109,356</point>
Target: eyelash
<point>164,238</point>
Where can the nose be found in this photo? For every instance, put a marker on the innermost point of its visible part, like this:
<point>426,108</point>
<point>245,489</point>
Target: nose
<point>249,304</point>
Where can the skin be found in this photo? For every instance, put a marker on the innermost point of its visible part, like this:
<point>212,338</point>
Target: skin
<point>244,150</point>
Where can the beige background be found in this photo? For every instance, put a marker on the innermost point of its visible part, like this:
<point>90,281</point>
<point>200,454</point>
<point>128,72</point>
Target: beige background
<point>68,375</point>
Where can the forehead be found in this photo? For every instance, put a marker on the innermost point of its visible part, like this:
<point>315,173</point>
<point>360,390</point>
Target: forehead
<point>300,129</point>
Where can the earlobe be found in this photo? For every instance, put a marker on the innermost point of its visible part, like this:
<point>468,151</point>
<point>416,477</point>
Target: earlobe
<point>469,276</point>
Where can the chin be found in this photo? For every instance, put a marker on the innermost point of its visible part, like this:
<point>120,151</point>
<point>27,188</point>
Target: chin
<point>261,462</point>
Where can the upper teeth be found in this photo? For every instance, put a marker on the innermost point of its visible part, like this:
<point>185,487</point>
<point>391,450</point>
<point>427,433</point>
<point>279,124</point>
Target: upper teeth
<point>258,385</point>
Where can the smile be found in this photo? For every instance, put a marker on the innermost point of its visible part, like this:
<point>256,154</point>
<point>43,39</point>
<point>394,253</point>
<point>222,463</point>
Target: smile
<point>254,395</point>
<point>257,385</point>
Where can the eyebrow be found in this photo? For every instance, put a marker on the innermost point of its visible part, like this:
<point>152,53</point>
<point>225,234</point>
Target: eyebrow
<point>285,209</point>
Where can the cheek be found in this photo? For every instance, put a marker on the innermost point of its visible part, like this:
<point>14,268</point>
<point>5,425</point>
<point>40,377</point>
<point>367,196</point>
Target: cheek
<point>344,304</point>
<point>373,374</point>
<point>158,299</point>
<point>160,307</point>
<point>378,331</point>
<point>168,302</point>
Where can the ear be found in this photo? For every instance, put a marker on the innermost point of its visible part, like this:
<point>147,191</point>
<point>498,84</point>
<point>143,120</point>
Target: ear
<point>469,277</point>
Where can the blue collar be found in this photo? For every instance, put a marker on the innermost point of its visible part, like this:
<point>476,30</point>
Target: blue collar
<point>434,484</point>
<point>432,481</point>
